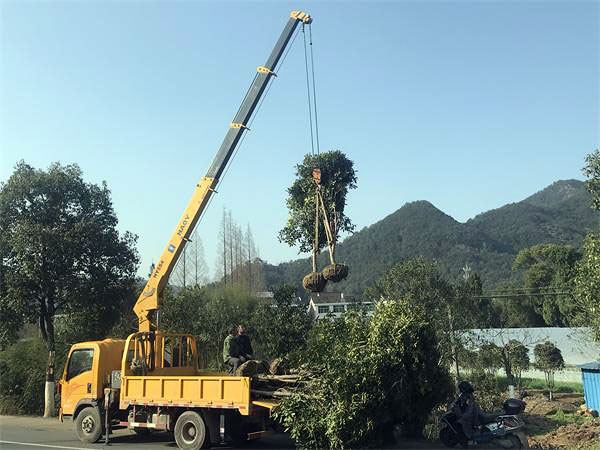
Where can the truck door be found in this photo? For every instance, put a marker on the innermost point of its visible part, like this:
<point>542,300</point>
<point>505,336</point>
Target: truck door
<point>78,379</point>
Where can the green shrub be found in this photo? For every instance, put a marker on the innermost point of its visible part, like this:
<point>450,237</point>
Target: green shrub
<point>23,375</point>
<point>368,375</point>
<point>488,392</point>
<point>23,372</point>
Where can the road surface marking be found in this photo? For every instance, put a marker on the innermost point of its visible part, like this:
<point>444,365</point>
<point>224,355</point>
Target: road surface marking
<point>43,445</point>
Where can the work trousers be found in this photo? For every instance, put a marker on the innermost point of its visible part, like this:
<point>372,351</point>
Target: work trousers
<point>236,362</point>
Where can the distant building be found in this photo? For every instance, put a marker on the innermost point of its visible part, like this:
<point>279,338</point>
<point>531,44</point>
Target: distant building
<point>324,305</point>
<point>268,298</point>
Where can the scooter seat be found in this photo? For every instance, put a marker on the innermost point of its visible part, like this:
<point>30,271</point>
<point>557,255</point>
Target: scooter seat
<point>488,418</point>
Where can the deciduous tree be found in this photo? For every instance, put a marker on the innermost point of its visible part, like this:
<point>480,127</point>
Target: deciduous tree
<point>548,359</point>
<point>369,375</point>
<point>419,283</point>
<point>550,268</point>
<point>61,253</point>
<point>587,280</point>
<point>337,178</point>
<point>281,326</point>
<point>587,286</point>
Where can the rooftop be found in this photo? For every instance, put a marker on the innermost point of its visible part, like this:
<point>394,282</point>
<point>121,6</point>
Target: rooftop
<point>324,298</point>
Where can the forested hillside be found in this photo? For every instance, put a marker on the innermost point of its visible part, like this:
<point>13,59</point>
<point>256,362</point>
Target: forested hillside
<point>488,243</point>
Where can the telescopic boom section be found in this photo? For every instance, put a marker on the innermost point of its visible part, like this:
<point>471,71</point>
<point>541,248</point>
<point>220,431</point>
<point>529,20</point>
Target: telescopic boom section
<point>151,297</point>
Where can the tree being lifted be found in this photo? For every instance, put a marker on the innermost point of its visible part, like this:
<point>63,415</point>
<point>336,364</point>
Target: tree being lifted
<point>316,201</point>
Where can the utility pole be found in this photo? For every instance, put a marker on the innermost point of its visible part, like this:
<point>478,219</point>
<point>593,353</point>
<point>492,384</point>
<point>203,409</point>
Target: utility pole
<point>453,343</point>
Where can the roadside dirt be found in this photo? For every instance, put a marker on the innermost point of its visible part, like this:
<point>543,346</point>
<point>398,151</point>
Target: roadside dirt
<point>545,430</point>
<point>539,406</point>
<point>569,436</point>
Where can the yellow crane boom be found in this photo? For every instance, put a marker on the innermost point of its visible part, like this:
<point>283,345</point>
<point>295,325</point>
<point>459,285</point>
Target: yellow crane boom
<point>150,298</point>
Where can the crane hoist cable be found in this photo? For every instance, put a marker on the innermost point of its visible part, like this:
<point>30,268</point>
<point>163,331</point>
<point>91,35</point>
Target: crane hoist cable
<point>310,122</point>
<point>333,272</point>
<point>312,65</point>
<point>243,138</point>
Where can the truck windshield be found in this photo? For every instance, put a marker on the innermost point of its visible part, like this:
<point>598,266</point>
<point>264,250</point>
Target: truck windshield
<point>80,361</point>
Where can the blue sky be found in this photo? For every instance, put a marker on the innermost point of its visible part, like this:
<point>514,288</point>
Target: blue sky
<point>469,105</point>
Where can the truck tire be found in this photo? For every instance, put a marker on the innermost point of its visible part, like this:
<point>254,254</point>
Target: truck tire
<point>88,425</point>
<point>190,431</point>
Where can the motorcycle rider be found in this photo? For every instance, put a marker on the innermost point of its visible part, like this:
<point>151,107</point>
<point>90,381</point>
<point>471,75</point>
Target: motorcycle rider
<point>469,414</point>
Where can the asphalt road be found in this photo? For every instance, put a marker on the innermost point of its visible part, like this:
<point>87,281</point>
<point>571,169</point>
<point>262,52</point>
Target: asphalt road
<point>36,433</point>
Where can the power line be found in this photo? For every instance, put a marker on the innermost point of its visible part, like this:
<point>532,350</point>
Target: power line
<point>515,295</point>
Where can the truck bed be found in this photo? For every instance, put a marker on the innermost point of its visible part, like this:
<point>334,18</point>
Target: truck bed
<point>204,391</point>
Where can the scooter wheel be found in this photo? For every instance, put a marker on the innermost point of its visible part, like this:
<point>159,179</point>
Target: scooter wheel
<point>448,437</point>
<point>510,441</point>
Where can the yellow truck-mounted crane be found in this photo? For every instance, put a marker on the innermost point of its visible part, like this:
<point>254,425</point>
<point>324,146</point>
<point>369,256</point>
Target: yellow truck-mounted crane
<point>152,380</point>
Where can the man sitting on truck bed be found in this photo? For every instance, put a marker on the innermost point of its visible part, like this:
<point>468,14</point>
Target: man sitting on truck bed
<point>231,350</point>
<point>244,342</point>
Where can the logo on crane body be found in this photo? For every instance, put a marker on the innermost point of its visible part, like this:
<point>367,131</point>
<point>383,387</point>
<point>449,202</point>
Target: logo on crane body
<point>158,269</point>
<point>183,225</point>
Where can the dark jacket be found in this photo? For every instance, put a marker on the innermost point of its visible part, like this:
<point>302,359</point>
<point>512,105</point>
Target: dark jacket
<point>468,413</point>
<point>244,345</point>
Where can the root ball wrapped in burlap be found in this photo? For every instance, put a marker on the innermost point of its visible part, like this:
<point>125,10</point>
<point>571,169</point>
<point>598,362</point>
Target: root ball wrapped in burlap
<point>335,272</point>
<point>251,368</point>
<point>314,282</point>
<point>279,366</point>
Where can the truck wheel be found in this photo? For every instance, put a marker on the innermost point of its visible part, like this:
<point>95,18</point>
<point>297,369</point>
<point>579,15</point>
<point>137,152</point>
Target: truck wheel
<point>190,431</point>
<point>88,425</point>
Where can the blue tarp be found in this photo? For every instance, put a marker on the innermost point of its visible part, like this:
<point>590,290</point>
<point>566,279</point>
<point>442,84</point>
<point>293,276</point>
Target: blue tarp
<point>590,374</point>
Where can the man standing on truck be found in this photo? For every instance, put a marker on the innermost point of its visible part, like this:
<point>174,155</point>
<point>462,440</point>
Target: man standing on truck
<point>231,350</point>
<point>244,342</point>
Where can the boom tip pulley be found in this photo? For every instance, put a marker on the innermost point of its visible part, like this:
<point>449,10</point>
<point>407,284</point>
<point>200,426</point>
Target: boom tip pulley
<point>301,16</point>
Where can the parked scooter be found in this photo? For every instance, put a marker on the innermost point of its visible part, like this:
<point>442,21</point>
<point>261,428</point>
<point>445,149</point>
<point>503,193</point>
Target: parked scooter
<point>465,423</point>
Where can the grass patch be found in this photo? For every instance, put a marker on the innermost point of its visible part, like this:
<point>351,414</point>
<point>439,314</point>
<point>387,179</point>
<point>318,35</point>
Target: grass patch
<point>537,425</point>
<point>561,418</point>
<point>564,387</point>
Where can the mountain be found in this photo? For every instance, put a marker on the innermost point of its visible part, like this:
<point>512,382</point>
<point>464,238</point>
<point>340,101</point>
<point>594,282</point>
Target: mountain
<point>488,243</point>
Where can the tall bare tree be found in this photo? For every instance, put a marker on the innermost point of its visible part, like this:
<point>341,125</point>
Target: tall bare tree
<point>191,269</point>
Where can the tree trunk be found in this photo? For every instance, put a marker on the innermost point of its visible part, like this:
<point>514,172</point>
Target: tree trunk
<point>49,406</point>
<point>316,240</point>
<point>47,332</point>
<point>454,345</point>
<point>508,367</point>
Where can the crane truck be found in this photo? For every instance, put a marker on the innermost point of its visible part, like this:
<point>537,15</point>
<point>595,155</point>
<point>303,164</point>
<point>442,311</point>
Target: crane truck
<point>152,379</point>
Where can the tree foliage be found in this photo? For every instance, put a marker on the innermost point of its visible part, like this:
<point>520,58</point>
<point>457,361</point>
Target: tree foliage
<point>275,327</point>
<point>61,253</point>
<point>337,178</point>
<point>587,280</point>
<point>549,268</point>
<point>451,308</point>
<point>489,358</point>
<point>587,286</point>
<point>281,327</point>
<point>518,357</point>
<point>514,357</point>
<point>22,367</point>
<point>548,359</point>
<point>368,376</point>
<point>592,172</point>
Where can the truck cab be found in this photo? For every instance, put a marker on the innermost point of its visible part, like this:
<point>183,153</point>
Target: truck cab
<point>88,369</point>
